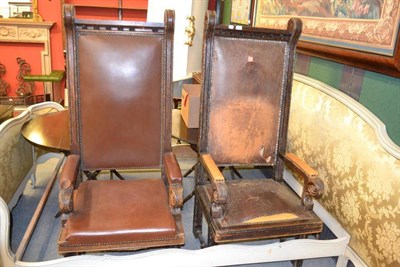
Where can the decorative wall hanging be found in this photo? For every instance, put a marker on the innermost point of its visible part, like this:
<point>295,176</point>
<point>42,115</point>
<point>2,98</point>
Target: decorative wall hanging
<point>4,85</point>
<point>363,34</point>
<point>241,12</point>
<point>24,88</point>
<point>21,10</point>
<point>190,30</point>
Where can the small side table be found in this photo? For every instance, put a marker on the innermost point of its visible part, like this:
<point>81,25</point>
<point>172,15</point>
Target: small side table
<point>55,77</point>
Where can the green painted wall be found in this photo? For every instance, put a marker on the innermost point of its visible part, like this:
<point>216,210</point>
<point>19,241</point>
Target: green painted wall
<point>325,71</point>
<point>226,17</point>
<point>379,93</point>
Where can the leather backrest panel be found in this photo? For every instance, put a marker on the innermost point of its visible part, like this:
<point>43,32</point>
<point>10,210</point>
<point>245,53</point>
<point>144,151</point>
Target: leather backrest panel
<point>119,100</point>
<point>245,100</point>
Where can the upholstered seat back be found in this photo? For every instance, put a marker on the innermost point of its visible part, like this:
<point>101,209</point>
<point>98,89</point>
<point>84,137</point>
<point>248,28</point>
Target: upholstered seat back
<point>246,98</point>
<point>119,113</point>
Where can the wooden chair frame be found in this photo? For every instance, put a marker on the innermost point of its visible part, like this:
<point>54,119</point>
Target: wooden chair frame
<point>84,151</point>
<point>212,193</point>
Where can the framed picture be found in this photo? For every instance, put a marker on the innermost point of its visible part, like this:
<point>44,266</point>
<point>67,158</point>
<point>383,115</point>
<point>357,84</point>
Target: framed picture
<point>359,33</point>
<point>241,12</point>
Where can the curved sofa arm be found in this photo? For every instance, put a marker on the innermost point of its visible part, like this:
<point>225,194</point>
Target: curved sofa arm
<point>313,185</point>
<point>174,178</point>
<point>220,190</point>
<point>67,182</point>
<point>44,108</point>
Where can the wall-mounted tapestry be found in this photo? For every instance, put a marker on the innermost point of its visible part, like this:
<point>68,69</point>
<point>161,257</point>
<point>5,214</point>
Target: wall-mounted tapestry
<point>366,26</point>
<point>241,12</point>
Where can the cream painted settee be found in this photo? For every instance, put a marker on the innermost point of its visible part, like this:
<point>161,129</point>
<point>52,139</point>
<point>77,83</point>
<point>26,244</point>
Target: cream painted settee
<point>360,166</point>
<point>358,163</point>
<point>17,156</point>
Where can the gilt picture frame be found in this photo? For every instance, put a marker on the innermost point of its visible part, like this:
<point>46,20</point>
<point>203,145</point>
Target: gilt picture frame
<point>359,33</point>
<point>241,12</point>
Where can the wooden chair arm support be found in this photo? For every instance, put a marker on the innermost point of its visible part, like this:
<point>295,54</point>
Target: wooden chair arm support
<point>313,185</point>
<point>220,190</point>
<point>67,182</point>
<point>174,178</point>
<point>298,165</point>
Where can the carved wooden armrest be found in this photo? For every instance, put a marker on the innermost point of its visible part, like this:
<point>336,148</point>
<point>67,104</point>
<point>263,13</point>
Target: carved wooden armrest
<point>174,177</point>
<point>67,182</point>
<point>313,185</point>
<point>220,191</point>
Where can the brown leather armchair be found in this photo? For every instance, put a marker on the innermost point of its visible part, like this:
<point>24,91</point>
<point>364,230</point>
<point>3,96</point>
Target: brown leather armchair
<point>120,81</point>
<point>246,88</point>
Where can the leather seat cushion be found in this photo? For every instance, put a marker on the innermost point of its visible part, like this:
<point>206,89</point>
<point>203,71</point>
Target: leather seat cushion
<point>115,211</point>
<point>260,202</point>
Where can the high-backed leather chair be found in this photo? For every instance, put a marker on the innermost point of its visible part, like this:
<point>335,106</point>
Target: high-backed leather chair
<point>120,81</point>
<point>246,87</point>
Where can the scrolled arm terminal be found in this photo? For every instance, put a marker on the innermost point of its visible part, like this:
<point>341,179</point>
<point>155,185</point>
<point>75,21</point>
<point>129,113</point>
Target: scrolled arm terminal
<point>313,185</point>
